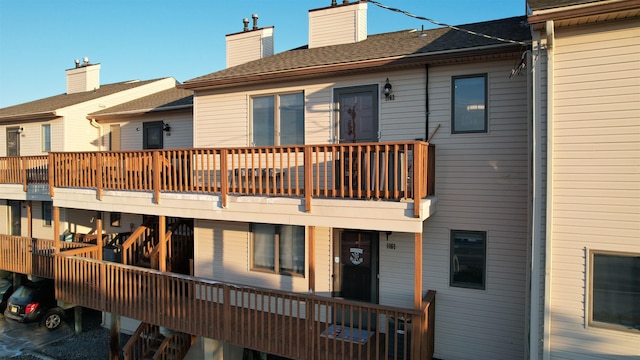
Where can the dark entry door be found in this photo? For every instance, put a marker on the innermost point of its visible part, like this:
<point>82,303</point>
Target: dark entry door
<point>356,269</point>
<point>152,135</point>
<point>13,141</point>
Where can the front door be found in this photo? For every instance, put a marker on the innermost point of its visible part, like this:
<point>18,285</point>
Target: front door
<point>15,218</point>
<point>13,141</point>
<point>152,135</point>
<point>356,266</point>
<point>357,113</point>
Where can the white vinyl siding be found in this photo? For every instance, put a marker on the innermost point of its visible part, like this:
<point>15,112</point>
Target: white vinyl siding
<point>38,229</point>
<point>482,185</point>
<point>596,187</point>
<point>131,135</point>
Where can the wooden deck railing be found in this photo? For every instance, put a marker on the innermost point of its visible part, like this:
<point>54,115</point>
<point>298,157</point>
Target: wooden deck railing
<point>297,326</point>
<point>35,256</point>
<point>24,170</point>
<point>391,171</point>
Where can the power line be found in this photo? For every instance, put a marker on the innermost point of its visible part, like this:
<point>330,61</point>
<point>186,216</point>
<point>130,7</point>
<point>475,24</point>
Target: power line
<point>446,25</point>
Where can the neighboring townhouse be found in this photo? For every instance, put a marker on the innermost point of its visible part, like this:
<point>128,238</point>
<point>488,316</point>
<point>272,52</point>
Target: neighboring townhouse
<point>59,123</point>
<point>586,212</point>
<point>328,194</point>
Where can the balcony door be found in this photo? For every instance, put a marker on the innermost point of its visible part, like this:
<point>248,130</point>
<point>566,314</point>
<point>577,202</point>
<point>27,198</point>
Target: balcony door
<point>13,141</point>
<point>152,135</point>
<point>357,113</point>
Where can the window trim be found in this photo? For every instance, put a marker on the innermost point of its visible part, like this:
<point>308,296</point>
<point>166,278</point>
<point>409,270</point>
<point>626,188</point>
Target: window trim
<point>44,146</point>
<point>485,76</point>
<point>276,116</point>
<point>463,285</point>
<point>276,249</point>
<point>590,287</point>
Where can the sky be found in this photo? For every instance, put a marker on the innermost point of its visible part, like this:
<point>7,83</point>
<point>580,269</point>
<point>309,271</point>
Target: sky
<point>184,39</point>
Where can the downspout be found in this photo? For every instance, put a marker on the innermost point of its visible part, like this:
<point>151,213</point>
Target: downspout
<point>426,102</point>
<point>535,215</point>
<point>546,352</point>
<point>95,124</point>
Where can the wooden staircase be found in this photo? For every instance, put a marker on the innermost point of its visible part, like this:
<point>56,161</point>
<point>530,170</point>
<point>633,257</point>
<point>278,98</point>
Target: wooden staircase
<point>148,343</point>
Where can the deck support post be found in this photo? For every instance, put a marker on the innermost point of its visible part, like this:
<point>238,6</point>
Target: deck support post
<point>56,229</point>
<point>77,317</point>
<point>99,233</point>
<point>162,250</point>
<point>29,218</point>
<point>114,338</point>
<point>417,296</point>
<point>311,253</point>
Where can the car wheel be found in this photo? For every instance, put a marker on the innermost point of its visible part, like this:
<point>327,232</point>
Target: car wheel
<point>53,319</point>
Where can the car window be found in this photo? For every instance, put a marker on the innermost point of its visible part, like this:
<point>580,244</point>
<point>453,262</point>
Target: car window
<point>23,293</point>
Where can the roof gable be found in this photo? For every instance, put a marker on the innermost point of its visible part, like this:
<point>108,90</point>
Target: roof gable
<point>53,103</point>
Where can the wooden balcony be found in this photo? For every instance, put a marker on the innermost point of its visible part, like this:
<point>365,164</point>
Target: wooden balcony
<point>385,171</point>
<point>296,326</point>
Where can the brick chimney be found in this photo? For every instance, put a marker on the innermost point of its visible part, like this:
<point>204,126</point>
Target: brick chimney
<point>344,23</point>
<point>84,77</point>
<point>250,44</point>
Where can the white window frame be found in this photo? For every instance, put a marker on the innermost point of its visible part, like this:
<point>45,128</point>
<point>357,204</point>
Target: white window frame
<point>276,117</point>
<point>46,137</point>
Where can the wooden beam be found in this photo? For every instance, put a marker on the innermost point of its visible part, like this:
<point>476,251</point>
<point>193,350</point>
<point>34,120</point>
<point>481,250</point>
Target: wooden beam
<point>114,337</point>
<point>312,256</point>
<point>417,285</point>
<point>99,233</point>
<point>56,229</point>
<point>29,219</point>
<point>162,250</point>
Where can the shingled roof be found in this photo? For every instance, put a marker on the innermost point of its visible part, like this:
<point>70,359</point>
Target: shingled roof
<point>387,46</point>
<point>170,99</point>
<point>48,106</point>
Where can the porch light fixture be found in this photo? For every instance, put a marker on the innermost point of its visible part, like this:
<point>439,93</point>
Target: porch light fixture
<point>20,130</point>
<point>387,89</point>
<point>166,127</point>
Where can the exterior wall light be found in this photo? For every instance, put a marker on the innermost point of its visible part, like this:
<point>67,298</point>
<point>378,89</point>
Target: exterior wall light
<point>387,90</point>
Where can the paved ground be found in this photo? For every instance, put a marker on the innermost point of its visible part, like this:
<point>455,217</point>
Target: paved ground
<point>33,342</point>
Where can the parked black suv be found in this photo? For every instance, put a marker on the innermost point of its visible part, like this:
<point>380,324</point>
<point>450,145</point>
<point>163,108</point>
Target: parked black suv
<point>35,301</point>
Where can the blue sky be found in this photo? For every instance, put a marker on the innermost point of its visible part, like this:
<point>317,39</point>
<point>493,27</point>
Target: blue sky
<point>149,39</point>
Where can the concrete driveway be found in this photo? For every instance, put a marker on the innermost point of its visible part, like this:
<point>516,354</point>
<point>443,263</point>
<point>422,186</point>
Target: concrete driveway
<point>16,337</point>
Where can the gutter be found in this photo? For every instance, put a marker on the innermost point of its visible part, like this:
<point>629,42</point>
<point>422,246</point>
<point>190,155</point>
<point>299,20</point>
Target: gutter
<point>107,116</point>
<point>359,66</point>
<point>546,351</point>
<point>582,10</point>
<point>32,116</point>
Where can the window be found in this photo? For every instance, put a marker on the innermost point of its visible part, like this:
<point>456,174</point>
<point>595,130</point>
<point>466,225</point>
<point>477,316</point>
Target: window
<point>46,213</point>
<point>469,110</point>
<point>468,259</point>
<point>282,127</point>
<point>614,290</point>
<point>115,219</point>
<point>46,138</point>
<point>278,248</point>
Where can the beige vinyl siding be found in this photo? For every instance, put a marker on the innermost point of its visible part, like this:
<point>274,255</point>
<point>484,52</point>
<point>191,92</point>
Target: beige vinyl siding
<point>596,168</point>
<point>397,271</point>
<point>482,185</point>
<point>79,135</point>
<point>38,229</point>
<point>31,137</point>
<point>248,46</point>
<point>4,218</point>
<point>222,252</point>
<point>131,134</point>
<point>222,119</point>
<point>338,25</point>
